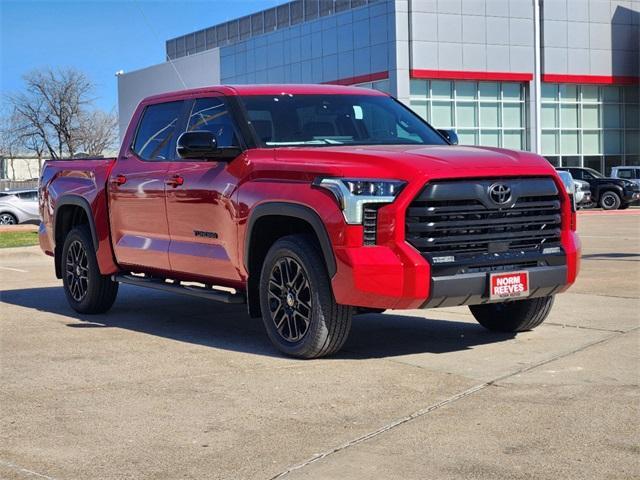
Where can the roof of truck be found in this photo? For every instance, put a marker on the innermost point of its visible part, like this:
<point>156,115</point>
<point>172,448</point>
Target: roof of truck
<point>275,89</point>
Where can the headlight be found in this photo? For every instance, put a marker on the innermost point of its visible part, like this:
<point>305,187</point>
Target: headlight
<point>353,193</point>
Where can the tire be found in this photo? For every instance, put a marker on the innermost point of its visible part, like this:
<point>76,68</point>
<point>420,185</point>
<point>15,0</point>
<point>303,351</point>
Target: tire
<point>299,311</point>
<point>517,316</point>
<point>610,201</point>
<point>87,291</point>
<point>7,218</point>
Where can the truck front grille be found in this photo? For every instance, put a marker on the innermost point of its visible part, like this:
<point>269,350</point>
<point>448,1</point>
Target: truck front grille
<point>370,224</point>
<point>460,217</point>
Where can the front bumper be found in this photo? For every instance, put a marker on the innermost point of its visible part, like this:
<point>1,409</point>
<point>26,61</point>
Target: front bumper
<point>393,278</point>
<point>473,288</point>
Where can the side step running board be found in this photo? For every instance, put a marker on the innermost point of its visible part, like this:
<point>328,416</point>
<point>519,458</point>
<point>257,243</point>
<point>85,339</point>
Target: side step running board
<point>202,292</point>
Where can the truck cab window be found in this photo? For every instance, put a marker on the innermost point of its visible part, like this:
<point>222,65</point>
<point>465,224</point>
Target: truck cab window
<point>212,115</point>
<point>157,130</point>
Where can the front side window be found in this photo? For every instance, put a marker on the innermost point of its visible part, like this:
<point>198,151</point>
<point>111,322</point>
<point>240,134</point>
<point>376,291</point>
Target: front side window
<point>157,130</point>
<point>212,115</point>
<point>321,120</point>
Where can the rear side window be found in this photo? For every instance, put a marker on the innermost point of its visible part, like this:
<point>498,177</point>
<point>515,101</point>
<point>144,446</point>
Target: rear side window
<point>625,173</point>
<point>212,115</point>
<point>28,195</point>
<point>157,130</point>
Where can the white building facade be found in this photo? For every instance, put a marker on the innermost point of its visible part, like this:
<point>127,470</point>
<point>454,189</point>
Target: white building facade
<point>560,77</point>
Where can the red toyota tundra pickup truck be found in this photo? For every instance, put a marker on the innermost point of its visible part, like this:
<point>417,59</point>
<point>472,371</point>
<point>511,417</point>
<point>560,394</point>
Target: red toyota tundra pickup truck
<point>309,203</point>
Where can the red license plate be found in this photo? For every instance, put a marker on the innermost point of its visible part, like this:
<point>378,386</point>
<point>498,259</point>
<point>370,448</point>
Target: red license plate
<point>508,285</point>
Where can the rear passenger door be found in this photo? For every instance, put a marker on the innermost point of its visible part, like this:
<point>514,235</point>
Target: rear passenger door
<point>200,196</point>
<point>137,210</point>
<point>29,202</point>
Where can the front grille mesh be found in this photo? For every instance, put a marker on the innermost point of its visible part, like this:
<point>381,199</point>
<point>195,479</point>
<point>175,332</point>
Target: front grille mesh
<point>370,224</point>
<point>470,226</point>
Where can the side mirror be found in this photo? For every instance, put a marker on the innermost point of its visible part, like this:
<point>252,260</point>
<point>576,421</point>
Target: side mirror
<point>450,135</point>
<point>197,144</point>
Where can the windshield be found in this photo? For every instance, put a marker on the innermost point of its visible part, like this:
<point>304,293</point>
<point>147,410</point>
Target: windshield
<point>593,172</point>
<point>321,120</point>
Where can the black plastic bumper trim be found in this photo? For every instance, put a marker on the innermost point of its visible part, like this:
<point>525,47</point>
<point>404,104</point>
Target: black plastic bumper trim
<point>473,288</point>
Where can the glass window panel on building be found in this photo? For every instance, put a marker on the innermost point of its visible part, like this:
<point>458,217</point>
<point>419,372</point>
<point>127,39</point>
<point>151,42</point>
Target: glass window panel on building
<point>466,115</point>
<point>482,113</point>
<point>594,162</point>
<point>512,115</point>
<point>490,138</point>
<point>466,90</point>
<point>489,115</point>
<point>440,89</point>
<point>549,116</point>
<point>549,142</point>
<point>604,119</point>
<point>569,142</point>
<point>441,114</point>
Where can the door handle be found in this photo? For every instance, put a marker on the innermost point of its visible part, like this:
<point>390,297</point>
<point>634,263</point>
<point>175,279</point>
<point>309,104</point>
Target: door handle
<point>119,180</point>
<point>175,181</point>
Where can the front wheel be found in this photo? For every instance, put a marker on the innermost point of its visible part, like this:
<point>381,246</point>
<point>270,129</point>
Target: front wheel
<point>299,311</point>
<point>86,289</point>
<point>610,201</point>
<point>516,316</point>
<point>8,219</point>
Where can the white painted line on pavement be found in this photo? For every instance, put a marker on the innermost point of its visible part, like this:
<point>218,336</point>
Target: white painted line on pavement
<point>24,470</point>
<point>14,269</point>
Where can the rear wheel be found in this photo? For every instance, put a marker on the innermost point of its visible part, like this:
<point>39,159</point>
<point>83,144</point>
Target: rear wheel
<point>299,311</point>
<point>86,289</point>
<point>8,219</point>
<point>610,201</point>
<point>517,316</point>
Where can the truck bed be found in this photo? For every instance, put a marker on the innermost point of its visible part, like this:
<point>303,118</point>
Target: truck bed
<point>80,182</point>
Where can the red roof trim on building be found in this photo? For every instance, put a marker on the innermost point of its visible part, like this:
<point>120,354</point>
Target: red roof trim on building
<point>468,75</point>
<point>593,79</point>
<point>369,77</point>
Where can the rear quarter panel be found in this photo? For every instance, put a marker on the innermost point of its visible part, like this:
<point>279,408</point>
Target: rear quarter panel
<point>66,181</point>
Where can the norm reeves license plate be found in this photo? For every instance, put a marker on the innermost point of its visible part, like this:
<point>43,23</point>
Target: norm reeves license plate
<point>508,285</point>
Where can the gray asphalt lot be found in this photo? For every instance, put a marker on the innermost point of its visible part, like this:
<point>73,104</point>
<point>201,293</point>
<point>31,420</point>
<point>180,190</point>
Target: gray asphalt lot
<point>168,387</point>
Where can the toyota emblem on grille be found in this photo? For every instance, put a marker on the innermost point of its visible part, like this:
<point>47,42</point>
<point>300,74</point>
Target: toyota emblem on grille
<point>499,193</point>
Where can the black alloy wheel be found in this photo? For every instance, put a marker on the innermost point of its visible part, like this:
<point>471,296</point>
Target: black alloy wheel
<point>290,301</point>
<point>298,308</point>
<point>77,271</point>
<point>86,289</point>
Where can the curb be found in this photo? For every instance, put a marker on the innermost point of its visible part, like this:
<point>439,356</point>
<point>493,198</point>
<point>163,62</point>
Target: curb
<point>33,251</point>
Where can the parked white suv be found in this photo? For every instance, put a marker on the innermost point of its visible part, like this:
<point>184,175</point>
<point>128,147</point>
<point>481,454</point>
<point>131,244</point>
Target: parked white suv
<point>19,206</point>
<point>627,173</point>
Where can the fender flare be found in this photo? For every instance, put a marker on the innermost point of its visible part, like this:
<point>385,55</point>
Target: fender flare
<point>295,210</point>
<point>76,201</point>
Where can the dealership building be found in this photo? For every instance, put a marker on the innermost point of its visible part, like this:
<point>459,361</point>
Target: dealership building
<point>558,77</point>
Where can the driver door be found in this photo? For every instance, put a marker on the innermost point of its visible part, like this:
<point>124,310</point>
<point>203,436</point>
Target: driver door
<point>199,199</point>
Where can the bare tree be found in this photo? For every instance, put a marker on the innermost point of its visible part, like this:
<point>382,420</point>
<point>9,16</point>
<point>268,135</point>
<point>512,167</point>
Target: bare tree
<point>97,132</point>
<point>9,143</point>
<point>54,114</point>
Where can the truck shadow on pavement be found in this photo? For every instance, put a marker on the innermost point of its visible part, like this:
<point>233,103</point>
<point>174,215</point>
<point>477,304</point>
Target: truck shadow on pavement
<point>202,322</point>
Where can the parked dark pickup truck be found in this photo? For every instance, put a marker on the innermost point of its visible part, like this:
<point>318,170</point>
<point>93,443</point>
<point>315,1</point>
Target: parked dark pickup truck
<point>309,203</point>
<point>608,193</point>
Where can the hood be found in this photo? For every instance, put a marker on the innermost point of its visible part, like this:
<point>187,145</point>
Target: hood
<point>404,162</point>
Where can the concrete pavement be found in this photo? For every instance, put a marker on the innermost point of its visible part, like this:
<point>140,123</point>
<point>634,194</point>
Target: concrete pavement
<point>166,387</point>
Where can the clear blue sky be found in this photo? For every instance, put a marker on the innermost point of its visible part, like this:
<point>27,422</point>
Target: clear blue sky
<point>101,37</point>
